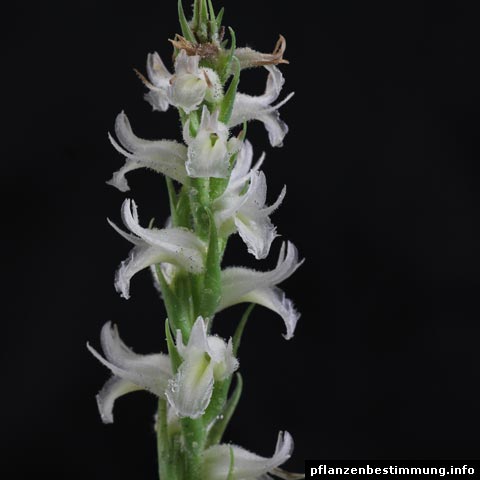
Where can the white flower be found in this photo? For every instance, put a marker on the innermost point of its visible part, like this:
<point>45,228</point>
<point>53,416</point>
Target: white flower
<point>205,359</point>
<point>245,211</point>
<point>247,108</point>
<point>131,371</point>
<point>178,246</point>
<point>244,285</point>
<point>163,156</point>
<point>248,465</point>
<point>188,85</point>
<point>186,89</point>
<point>210,151</point>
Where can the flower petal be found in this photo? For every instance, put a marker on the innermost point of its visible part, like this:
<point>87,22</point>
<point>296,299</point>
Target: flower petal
<point>260,107</point>
<point>198,339</point>
<point>247,465</point>
<point>158,74</point>
<point>150,372</point>
<point>185,63</point>
<point>243,163</point>
<point>114,388</point>
<point>171,245</point>
<point>205,359</point>
<point>245,285</point>
<point>275,300</point>
<point>189,393</point>
<point>208,153</point>
<point>239,281</point>
<point>163,156</point>
<point>252,219</point>
<point>159,78</point>
<point>131,371</point>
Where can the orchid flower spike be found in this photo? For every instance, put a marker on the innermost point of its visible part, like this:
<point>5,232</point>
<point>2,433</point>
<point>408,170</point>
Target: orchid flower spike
<point>245,212</point>
<point>214,191</point>
<point>186,89</point>
<point>246,108</point>
<point>206,359</point>
<point>210,150</point>
<point>131,372</point>
<point>248,465</point>
<point>178,246</point>
<point>162,156</point>
<point>245,285</point>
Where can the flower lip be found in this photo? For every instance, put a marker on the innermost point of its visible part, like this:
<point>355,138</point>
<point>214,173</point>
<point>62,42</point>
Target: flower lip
<point>210,151</point>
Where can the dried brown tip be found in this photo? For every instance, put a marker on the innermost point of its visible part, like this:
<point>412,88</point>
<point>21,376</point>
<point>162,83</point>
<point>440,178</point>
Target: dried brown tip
<point>251,58</point>
<point>144,80</point>
<point>279,50</point>
<point>204,50</point>
<point>207,79</point>
<point>287,475</point>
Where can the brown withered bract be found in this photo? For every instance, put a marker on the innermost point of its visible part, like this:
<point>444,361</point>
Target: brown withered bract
<point>251,58</point>
<point>203,50</point>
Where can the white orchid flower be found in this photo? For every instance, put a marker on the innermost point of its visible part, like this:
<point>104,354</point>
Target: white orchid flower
<point>246,107</point>
<point>206,359</point>
<point>210,151</point>
<point>248,465</point>
<point>163,156</point>
<point>178,246</point>
<point>245,211</point>
<point>131,372</point>
<point>244,285</point>
<point>186,89</point>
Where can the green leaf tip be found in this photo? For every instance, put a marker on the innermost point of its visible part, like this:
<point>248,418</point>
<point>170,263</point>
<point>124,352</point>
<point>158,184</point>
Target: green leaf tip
<point>175,357</point>
<point>229,98</point>
<point>186,30</point>
<point>237,337</point>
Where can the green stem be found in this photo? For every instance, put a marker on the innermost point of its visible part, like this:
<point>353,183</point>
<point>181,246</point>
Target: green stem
<point>166,467</point>
<point>172,198</point>
<point>194,435</point>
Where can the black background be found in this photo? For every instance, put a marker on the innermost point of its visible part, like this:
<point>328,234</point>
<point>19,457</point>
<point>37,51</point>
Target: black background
<point>381,164</point>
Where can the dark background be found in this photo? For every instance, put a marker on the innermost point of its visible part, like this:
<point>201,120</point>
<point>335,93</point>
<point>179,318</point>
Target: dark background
<point>383,182</point>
